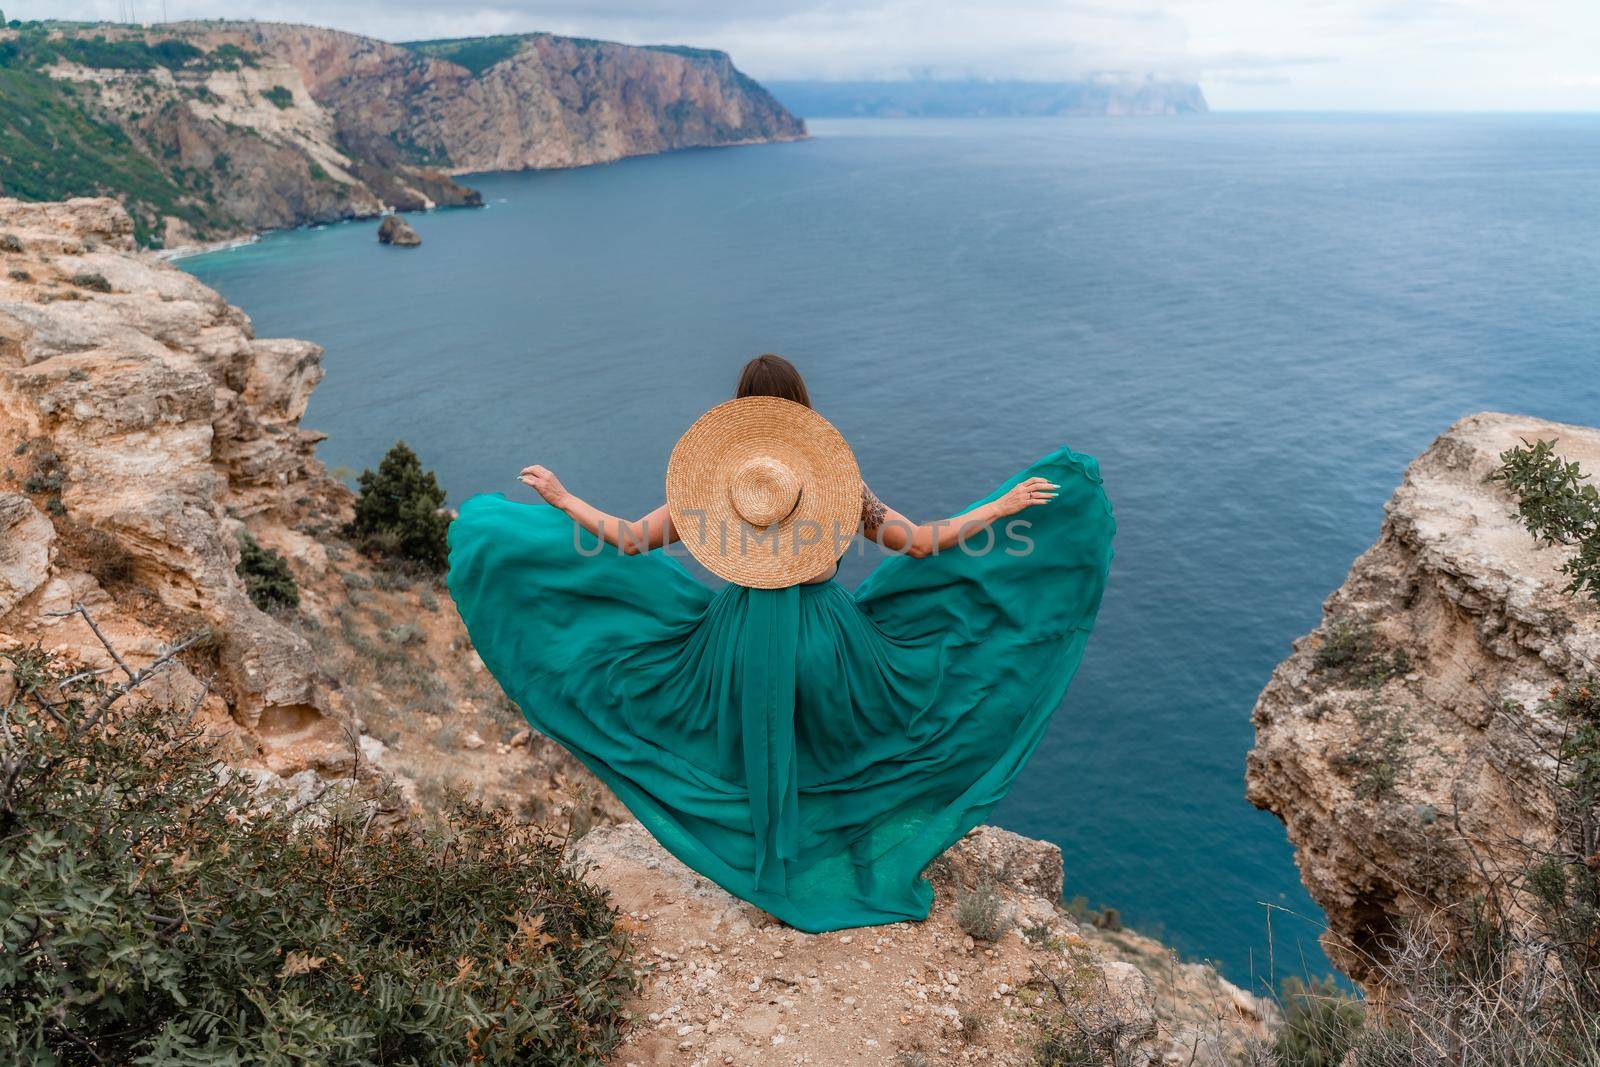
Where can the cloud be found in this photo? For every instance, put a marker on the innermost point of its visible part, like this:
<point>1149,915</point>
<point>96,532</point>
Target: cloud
<point>1247,53</point>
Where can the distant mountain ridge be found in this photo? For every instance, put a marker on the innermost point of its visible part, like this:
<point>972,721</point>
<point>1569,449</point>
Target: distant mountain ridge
<point>989,99</point>
<point>209,130</point>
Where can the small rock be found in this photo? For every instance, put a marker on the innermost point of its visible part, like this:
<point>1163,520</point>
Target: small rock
<point>522,738</point>
<point>471,740</point>
<point>396,231</point>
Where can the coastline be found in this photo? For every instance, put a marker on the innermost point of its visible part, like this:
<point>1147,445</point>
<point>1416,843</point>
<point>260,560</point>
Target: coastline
<point>226,244</point>
<point>189,250</point>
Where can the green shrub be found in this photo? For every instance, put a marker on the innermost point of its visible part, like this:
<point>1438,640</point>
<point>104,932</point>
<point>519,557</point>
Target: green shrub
<point>154,912</point>
<point>279,96</point>
<point>1320,1023</point>
<point>266,575</point>
<point>87,280</point>
<point>1558,505</point>
<point>398,514</point>
<point>982,913</point>
<point>10,242</point>
<point>1353,651</point>
<point>45,473</point>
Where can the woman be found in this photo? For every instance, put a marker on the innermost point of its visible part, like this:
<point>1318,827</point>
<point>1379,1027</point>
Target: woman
<point>808,749</point>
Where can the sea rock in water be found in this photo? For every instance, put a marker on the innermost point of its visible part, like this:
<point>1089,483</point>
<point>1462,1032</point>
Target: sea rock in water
<point>1403,743</point>
<point>395,230</point>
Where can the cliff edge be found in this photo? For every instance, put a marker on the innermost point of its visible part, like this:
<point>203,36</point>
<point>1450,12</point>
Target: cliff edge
<point>1404,743</point>
<point>149,436</point>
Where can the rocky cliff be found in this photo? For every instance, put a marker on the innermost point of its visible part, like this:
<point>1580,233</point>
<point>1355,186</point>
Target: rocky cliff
<point>1406,744</point>
<point>146,428</point>
<point>207,130</point>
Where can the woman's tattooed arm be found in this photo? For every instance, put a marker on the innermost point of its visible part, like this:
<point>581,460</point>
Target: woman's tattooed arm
<point>873,511</point>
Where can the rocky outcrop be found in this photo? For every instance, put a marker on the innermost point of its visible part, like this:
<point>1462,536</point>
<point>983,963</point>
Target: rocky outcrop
<point>725,983</point>
<point>144,417</point>
<point>145,428</point>
<point>1403,744</point>
<point>253,126</point>
<point>395,230</point>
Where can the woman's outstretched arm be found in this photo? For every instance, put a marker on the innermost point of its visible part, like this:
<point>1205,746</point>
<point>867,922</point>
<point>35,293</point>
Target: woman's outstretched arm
<point>641,535</point>
<point>897,533</point>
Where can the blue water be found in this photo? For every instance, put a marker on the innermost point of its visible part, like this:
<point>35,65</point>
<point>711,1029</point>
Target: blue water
<point>1254,321</point>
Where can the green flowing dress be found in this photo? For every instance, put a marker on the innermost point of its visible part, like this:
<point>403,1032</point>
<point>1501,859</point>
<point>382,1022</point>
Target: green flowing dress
<point>808,749</point>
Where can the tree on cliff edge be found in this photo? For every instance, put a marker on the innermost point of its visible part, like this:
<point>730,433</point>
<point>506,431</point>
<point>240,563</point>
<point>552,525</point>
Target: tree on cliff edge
<point>398,512</point>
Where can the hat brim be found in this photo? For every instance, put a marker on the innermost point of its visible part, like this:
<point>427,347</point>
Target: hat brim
<point>798,547</point>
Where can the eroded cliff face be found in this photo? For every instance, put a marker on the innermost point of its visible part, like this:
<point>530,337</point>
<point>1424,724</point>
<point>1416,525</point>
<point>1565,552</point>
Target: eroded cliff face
<point>262,125</point>
<point>1403,744</point>
<point>145,428</point>
<point>551,102</point>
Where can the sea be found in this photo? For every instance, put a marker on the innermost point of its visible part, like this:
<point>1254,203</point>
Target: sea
<point>1255,321</point>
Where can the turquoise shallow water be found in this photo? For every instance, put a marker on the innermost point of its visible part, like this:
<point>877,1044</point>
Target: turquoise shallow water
<point>1254,322</point>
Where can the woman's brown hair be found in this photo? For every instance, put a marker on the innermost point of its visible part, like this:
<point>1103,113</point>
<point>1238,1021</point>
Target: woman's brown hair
<point>771,375</point>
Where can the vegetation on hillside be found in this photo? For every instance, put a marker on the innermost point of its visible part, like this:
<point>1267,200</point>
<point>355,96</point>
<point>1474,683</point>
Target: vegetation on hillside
<point>399,514</point>
<point>39,44</point>
<point>157,910</point>
<point>54,147</point>
<point>56,143</point>
<point>1559,505</point>
<point>477,54</point>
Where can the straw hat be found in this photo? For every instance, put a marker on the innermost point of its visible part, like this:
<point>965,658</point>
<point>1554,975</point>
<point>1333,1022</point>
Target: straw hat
<point>764,492</point>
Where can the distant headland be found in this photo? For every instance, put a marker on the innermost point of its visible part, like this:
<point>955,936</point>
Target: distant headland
<point>989,99</point>
<point>213,130</point>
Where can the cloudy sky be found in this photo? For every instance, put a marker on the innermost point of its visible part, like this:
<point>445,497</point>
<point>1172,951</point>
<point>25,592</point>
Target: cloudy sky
<point>1344,54</point>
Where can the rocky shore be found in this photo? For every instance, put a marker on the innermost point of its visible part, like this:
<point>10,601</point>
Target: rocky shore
<point>146,428</point>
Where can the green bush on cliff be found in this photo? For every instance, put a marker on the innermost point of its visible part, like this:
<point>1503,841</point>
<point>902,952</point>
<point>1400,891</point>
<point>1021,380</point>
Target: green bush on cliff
<point>398,514</point>
<point>1320,1023</point>
<point>152,912</point>
<point>266,575</point>
<point>1559,505</point>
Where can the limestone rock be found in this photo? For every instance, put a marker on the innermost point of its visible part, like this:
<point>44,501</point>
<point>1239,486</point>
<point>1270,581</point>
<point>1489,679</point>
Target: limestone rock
<point>163,416</point>
<point>26,540</point>
<point>1012,858</point>
<point>396,231</point>
<point>1371,780</point>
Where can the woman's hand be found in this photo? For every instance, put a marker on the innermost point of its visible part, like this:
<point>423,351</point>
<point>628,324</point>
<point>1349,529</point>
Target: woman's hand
<point>544,482</point>
<point>1031,492</point>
